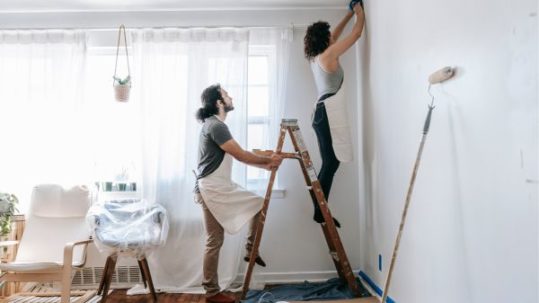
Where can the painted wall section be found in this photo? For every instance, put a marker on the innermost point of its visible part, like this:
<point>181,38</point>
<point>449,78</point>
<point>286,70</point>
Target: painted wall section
<point>471,234</point>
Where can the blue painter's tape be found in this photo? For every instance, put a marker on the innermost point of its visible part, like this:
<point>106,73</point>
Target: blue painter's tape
<point>375,287</point>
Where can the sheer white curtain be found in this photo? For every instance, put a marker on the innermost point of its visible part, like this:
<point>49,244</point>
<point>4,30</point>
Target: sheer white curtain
<point>277,41</point>
<point>171,67</point>
<point>44,138</point>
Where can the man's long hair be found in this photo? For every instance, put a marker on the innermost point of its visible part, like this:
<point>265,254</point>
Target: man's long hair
<point>209,99</point>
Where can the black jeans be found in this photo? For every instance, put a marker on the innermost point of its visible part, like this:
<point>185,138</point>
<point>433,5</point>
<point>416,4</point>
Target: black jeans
<point>330,164</point>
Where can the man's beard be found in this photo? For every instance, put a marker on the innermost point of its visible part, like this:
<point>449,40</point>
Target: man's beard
<point>229,108</point>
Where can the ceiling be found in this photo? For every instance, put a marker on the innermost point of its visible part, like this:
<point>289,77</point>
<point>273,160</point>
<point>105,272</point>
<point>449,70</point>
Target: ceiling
<point>159,5</point>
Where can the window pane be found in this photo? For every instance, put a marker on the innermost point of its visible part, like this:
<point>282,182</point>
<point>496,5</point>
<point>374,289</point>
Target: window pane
<point>117,122</point>
<point>256,138</point>
<point>258,102</point>
<point>258,70</point>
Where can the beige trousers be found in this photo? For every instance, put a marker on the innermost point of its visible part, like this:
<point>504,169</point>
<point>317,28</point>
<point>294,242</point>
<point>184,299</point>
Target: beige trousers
<point>214,240</point>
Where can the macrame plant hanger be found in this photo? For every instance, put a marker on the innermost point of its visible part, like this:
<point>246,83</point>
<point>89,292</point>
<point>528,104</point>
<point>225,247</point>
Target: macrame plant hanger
<point>122,86</point>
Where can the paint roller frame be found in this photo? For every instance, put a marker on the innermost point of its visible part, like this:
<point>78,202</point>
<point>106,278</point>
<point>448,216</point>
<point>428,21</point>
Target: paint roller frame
<point>437,77</point>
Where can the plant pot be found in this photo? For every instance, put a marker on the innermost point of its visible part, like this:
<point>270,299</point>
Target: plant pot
<point>122,186</point>
<point>121,92</point>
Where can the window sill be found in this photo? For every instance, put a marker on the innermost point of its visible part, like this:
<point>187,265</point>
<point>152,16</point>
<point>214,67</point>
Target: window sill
<point>118,195</point>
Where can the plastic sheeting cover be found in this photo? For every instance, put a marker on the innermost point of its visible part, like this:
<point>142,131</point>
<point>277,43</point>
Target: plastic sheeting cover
<point>128,227</point>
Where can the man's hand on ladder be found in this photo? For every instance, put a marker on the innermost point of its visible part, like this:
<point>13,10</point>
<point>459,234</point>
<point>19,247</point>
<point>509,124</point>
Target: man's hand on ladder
<point>269,153</point>
<point>275,161</point>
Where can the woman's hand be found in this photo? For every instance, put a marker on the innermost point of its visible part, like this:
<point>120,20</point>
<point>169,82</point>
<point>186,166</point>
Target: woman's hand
<point>358,9</point>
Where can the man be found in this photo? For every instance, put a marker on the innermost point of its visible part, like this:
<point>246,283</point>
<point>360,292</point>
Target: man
<point>226,205</point>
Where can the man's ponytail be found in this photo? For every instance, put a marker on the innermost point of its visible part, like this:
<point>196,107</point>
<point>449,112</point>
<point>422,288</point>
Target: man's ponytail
<point>209,99</point>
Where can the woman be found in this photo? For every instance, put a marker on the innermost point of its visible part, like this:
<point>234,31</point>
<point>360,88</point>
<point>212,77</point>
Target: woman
<point>323,49</point>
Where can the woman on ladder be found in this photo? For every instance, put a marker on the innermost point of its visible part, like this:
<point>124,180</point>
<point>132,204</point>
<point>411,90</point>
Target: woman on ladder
<point>323,49</point>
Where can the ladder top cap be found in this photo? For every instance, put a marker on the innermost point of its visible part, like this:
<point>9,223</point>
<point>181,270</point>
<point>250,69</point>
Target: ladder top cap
<point>289,122</point>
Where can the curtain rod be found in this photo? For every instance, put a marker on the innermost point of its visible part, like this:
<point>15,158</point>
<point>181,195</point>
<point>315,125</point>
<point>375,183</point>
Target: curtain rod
<point>108,28</point>
<point>177,10</point>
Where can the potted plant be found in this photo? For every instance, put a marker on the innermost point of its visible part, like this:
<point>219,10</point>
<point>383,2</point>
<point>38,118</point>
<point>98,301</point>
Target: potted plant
<point>8,208</point>
<point>122,178</point>
<point>122,88</point>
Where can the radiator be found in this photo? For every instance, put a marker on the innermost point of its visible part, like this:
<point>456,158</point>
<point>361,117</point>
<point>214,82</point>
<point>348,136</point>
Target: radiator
<point>126,274</point>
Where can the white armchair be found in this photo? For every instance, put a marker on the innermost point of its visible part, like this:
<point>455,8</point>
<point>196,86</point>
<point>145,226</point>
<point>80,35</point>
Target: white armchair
<point>55,238</point>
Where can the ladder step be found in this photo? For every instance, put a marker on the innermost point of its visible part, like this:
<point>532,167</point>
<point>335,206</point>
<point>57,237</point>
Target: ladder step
<point>289,122</point>
<point>312,174</point>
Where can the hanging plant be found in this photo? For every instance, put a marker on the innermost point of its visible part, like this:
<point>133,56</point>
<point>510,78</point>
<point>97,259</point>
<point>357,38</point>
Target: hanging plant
<point>8,208</point>
<point>121,81</point>
<point>121,86</point>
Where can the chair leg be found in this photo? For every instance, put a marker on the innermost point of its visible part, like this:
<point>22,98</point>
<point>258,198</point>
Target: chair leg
<point>108,281</point>
<point>148,276</point>
<point>141,267</point>
<point>66,283</point>
<point>105,271</point>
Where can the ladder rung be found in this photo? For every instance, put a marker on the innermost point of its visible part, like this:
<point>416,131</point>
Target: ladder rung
<point>312,174</point>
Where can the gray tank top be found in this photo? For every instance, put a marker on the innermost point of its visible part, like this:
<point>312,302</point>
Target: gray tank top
<point>326,83</point>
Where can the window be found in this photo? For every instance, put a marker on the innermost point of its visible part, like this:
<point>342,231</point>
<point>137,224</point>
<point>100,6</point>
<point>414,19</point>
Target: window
<point>119,120</point>
<point>258,111</point>
<point>117,125</point>
<point>81,134</point>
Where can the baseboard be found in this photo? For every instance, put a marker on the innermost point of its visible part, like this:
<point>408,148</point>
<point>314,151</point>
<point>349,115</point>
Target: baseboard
<point>374,286</point>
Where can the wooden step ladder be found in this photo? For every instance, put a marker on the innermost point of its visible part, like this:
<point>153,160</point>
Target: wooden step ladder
<point>333,240</point>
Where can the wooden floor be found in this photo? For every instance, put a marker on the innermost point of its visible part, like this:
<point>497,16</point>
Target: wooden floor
<point>118,296</point>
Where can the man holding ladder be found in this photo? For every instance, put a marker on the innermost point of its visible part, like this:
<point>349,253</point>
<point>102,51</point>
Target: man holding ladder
<point>226,205</point>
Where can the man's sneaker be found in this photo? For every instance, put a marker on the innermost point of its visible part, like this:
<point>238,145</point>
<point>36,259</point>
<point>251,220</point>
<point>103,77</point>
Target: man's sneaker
<point>258,261</point>
<point>220,298</point>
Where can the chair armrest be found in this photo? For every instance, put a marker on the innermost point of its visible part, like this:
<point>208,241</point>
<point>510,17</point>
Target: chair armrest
<point>68,250</point>
<point>8,243</point>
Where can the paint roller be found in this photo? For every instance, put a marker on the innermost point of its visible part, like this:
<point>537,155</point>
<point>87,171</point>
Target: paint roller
<point>441,75</point>
<point>437,77</point>
<point>353,3</point>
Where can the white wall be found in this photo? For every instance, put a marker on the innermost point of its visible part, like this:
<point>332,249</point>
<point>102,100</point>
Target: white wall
<point>471,234</point>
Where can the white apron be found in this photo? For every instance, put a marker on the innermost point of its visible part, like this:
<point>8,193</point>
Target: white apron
<point>338,125</point>
<point>232,205</point>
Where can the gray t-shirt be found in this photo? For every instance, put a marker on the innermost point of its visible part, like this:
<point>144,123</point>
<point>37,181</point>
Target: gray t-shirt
<point>213,134</point>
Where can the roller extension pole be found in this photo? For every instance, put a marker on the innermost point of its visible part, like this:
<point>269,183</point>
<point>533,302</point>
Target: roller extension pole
<point>407,203</point>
